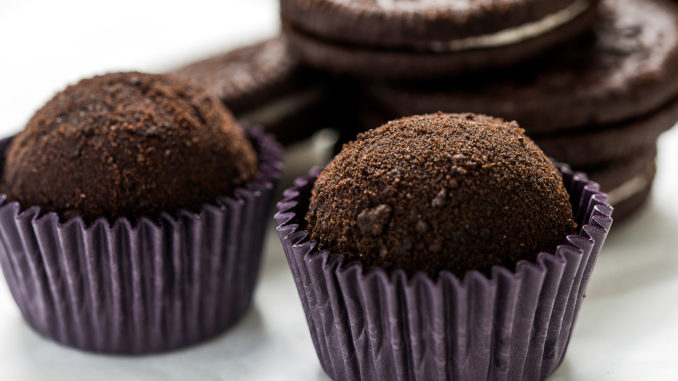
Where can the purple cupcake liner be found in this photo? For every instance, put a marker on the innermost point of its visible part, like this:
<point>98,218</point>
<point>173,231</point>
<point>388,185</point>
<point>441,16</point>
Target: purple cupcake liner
<point>374,325</point>
<point>154,286</point>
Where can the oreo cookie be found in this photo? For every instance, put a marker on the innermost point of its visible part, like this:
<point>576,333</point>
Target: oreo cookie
<point>624,69</point>
<point>263,84</point>
<point>428,38</point>
<point>597,103</point>
<point>628,183</point>
<point>613,143</point>
<point>619,142</point>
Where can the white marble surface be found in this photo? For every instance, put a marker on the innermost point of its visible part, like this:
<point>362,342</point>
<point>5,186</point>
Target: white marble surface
<point>628,326</point>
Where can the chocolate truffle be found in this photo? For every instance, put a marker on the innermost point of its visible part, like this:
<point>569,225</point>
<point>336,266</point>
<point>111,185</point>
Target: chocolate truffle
<point>437,192</point>
<point>127,145</point>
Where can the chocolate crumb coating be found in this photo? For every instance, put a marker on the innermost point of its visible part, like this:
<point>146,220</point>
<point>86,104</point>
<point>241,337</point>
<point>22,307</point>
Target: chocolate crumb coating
<point>127,145</point>
<point>437,192</point>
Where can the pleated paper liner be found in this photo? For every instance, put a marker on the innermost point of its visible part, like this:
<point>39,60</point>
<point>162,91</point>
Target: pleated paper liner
<point>154,286</point>
<point>373,325</point>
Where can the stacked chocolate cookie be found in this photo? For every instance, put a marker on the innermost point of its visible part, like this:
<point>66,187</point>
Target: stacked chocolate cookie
<point>266,85</point>
<point>423,39</point>
<point>263,84</point>
<point>592,82</point>
<point>598,103</point>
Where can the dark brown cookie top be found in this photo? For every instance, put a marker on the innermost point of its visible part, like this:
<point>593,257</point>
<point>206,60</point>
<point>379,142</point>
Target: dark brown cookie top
<point>127,145</point>
<point>245,77</point>
<point>419,24</point>
<point>626,68</point>
<point>437,192</point>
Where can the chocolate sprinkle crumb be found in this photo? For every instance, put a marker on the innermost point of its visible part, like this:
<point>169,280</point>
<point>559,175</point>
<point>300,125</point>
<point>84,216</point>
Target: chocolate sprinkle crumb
<point>372,221</point>
<point>439,200</point>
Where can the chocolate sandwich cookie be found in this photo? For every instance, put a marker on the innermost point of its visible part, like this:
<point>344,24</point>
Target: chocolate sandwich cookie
<point>424,38</point>
<point>263,84</point>
<point>628,153</point>
<point>630,197</point>
<point>611,143</point>
<point>623,70</point>
<point>620,159</point>
<point>616,142</point>
<point>628,183</point>
<point>612,175</point>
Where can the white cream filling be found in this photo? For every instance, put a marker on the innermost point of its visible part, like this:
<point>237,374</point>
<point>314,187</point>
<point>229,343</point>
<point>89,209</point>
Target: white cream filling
<point>516,34</point>
<point>627,190</point>
<point>281,108</point>
<point>417,5</point>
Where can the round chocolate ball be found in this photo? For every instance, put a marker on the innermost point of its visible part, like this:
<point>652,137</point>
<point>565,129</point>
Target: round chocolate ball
<point>438,192</point>
<point>127,145</point>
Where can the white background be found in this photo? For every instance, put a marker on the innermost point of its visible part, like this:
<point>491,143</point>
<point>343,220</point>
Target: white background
<point>627,328</point>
